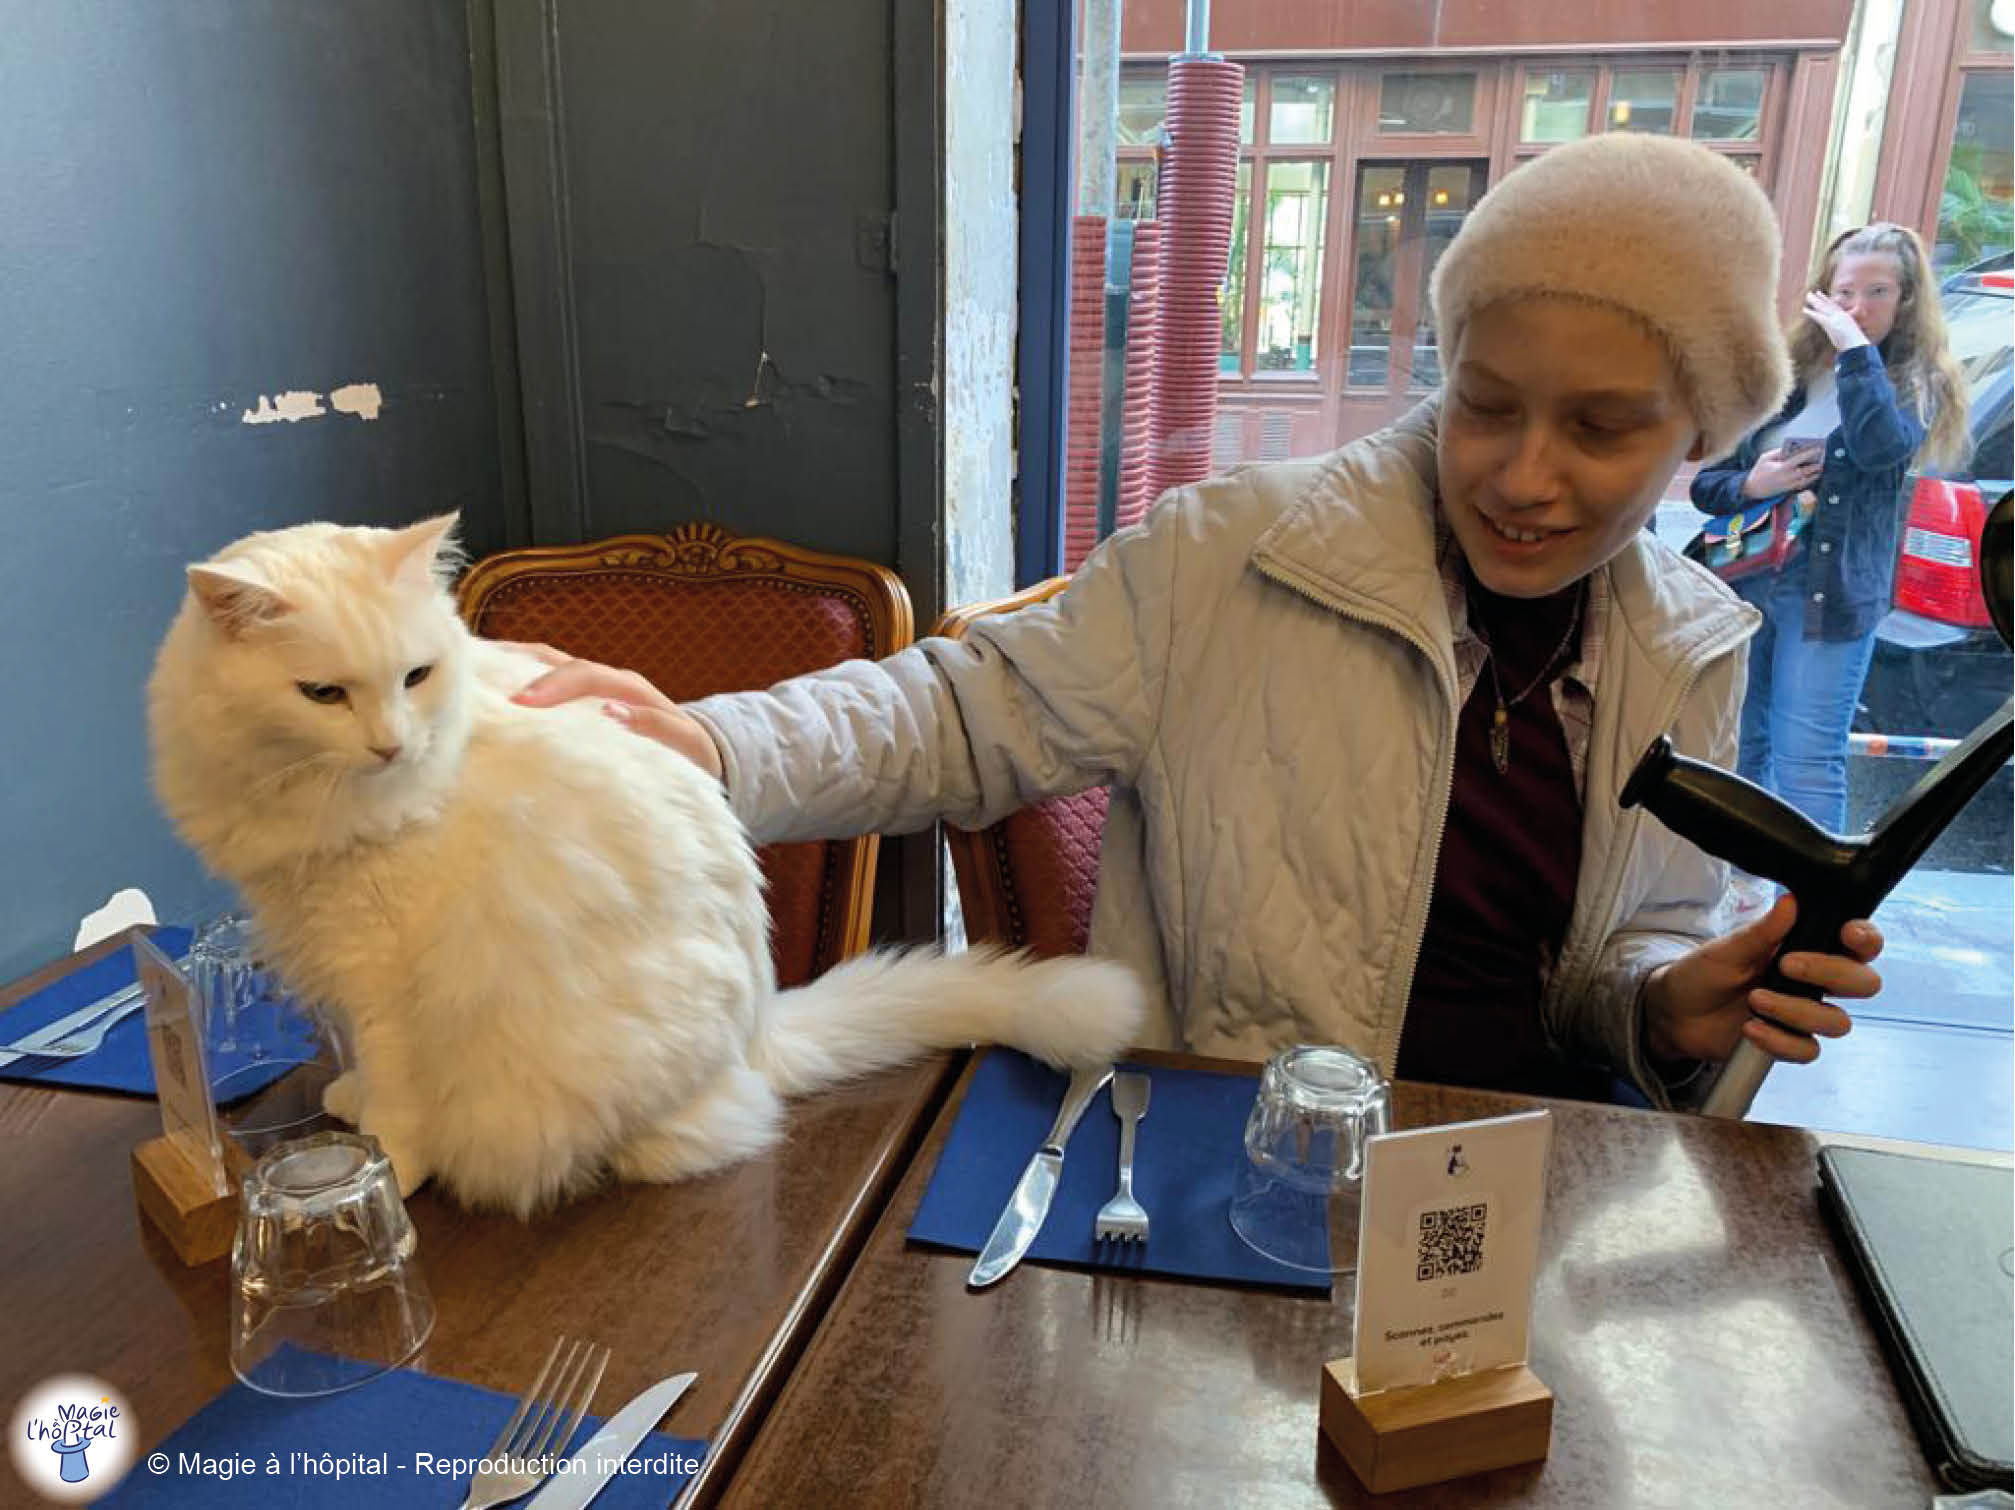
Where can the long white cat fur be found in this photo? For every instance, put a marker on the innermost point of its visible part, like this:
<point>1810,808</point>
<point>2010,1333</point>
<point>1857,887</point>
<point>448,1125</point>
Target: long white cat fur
<point>547,934</point>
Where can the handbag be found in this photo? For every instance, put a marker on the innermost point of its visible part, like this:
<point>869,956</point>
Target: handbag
<point>1752,540</point>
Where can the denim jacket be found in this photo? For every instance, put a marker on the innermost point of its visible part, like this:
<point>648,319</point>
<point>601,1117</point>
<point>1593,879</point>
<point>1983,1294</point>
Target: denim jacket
<point>1848,551</point>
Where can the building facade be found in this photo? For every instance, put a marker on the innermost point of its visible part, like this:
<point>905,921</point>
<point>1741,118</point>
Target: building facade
<point>1371,127</point>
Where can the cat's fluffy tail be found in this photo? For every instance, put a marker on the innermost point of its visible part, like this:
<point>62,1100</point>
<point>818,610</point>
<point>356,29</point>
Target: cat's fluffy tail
<point>882,1009</point>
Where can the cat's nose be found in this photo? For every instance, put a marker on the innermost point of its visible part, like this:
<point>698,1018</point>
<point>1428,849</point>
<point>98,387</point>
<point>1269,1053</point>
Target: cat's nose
<point>387,753</point>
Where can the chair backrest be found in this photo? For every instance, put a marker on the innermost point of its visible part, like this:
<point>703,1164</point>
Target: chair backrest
<point>700,611</point>
<point>1028,881</point>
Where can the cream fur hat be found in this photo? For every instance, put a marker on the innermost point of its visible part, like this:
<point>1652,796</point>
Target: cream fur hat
<point>1666,231</point>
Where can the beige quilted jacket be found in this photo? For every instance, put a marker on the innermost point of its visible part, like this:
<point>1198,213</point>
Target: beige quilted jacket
<point>1263,672</point>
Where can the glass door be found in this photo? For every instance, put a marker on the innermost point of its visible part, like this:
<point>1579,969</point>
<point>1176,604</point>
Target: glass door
<point>1406,214</point>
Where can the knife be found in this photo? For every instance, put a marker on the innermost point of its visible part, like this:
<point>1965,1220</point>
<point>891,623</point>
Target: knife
<point>601,1458</point>
<point>123,1002</point>
<point>83,1017</point>
<point>1029,1204</point>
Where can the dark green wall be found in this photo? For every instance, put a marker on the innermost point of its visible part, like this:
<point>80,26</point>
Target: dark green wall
<point>615,265</point>
<point>700,216</point>
<point>720,313</point>
<point>207,201</point>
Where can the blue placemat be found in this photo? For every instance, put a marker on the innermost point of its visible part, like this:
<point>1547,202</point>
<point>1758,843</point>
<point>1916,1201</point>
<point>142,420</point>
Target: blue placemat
<point>121,1062</point>
<point>1187,1157</point>
<point>392,1432</point>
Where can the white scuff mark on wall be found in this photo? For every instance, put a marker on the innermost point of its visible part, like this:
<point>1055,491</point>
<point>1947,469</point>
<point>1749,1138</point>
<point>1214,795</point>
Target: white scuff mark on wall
<point>292,406</point>
<point>361,399</point>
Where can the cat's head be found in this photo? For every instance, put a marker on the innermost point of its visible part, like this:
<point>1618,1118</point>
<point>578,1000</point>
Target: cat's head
<point>326,651</point>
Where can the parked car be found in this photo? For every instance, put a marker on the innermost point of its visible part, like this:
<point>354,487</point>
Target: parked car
<point>1939,668</point>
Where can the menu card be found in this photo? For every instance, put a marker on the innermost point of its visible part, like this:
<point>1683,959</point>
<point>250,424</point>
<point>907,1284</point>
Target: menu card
<point>1449,1248</point>
<point>181,1070</point>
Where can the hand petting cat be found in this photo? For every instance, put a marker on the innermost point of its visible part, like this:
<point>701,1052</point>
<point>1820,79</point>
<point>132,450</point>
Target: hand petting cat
<point>627,698</point>
<point>547,940</point>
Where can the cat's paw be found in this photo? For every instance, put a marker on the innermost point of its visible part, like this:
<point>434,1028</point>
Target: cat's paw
<point>409,1171</point>
<point>408,1168</point>
<point>343,1098</point>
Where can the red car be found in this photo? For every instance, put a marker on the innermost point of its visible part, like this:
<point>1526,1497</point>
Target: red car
<point>1939,668</point>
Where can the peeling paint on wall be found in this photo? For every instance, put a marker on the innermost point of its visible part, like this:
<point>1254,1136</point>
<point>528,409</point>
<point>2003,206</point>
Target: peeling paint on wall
<point>360,399</point>
<point>292,406</point>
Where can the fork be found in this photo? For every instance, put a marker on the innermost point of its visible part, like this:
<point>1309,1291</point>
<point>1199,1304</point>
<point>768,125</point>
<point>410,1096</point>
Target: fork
<point>76,1043</point>
<point>524,1454</point>
<point>107,1012</point>
<point>1123,1219</point>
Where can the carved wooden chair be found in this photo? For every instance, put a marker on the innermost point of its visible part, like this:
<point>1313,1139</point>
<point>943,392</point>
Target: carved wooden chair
<point>1028,880</point>
<point>700,611</point>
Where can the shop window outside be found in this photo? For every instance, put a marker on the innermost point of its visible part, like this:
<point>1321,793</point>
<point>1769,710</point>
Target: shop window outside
<point>1556,105</point>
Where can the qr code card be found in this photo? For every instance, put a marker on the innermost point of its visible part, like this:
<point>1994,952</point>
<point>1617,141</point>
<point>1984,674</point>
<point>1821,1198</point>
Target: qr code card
<point>1449,1248</point>
<point>1450,1240</point>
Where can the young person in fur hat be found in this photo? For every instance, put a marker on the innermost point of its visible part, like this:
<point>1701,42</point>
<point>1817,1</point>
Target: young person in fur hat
<point>1365,718</point>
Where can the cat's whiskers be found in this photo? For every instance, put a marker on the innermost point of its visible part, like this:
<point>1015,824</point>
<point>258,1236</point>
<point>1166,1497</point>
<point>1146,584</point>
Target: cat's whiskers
<point>312,847</point>
<point>292,768</point>
<point>384,903</point>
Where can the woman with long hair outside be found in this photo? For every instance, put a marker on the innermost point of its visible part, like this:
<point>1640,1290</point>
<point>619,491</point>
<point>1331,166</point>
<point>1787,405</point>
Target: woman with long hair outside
<point>1877,392</point>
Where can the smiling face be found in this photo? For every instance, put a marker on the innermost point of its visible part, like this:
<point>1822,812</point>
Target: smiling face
<point>1561,425</point>
<point>1869,286</point>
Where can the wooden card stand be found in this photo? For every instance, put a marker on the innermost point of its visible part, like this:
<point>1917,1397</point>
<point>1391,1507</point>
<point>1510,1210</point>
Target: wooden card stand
<point>198,1223</point>
<point>175,1176</point>
<point>1399,1438</point>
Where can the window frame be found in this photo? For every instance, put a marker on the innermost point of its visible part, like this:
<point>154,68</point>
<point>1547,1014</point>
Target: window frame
<point>1965,65</point>
<point>1258,155</point>
<point>1324,391</point>
<point>1694,66</point>
<point>1475,142</point>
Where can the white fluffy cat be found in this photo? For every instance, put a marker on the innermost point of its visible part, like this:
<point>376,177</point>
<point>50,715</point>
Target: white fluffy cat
<point>546,933</point>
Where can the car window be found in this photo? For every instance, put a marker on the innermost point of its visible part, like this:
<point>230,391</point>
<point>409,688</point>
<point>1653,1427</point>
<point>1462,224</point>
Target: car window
<point>1979,324</point>
<point>1991,442</point>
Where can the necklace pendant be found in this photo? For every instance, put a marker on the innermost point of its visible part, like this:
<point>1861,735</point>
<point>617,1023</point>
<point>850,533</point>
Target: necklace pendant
<point>1500,740</point>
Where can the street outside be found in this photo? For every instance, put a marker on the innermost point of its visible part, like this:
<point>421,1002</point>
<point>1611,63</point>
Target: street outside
<point>1932,1058</point>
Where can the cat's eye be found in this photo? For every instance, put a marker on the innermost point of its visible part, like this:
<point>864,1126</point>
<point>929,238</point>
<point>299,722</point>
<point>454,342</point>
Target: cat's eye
<point>323,692</point>
<point>417,675</point>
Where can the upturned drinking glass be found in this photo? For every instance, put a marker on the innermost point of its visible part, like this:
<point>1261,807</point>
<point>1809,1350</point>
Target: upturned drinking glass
<point>325,1277</point>
<point>1301,1192</point>
<point>271,1057</point>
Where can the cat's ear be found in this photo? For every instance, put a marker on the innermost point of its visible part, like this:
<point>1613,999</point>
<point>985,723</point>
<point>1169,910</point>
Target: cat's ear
<point>424,553</point>
<point>235,597</point>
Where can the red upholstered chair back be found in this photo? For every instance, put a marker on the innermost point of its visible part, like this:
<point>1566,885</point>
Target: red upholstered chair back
<point>1028,881</point>
<point>700,611</point>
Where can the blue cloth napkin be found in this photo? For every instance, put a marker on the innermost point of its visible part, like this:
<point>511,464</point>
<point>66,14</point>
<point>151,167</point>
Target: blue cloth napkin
<point>384,1430</point>
<point>121,1062</point>
<point>1187,1158</point>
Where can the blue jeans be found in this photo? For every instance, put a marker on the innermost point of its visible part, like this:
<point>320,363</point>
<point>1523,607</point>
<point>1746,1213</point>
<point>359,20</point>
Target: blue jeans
<point>1801,700</point>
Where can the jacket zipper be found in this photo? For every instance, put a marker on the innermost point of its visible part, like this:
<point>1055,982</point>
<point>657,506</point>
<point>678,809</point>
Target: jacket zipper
<point>1573,963</point>
<point>1387,1053</point>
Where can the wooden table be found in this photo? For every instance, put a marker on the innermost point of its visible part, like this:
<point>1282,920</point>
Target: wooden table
<point>1699,1332</point>
<point>725,1275</point>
